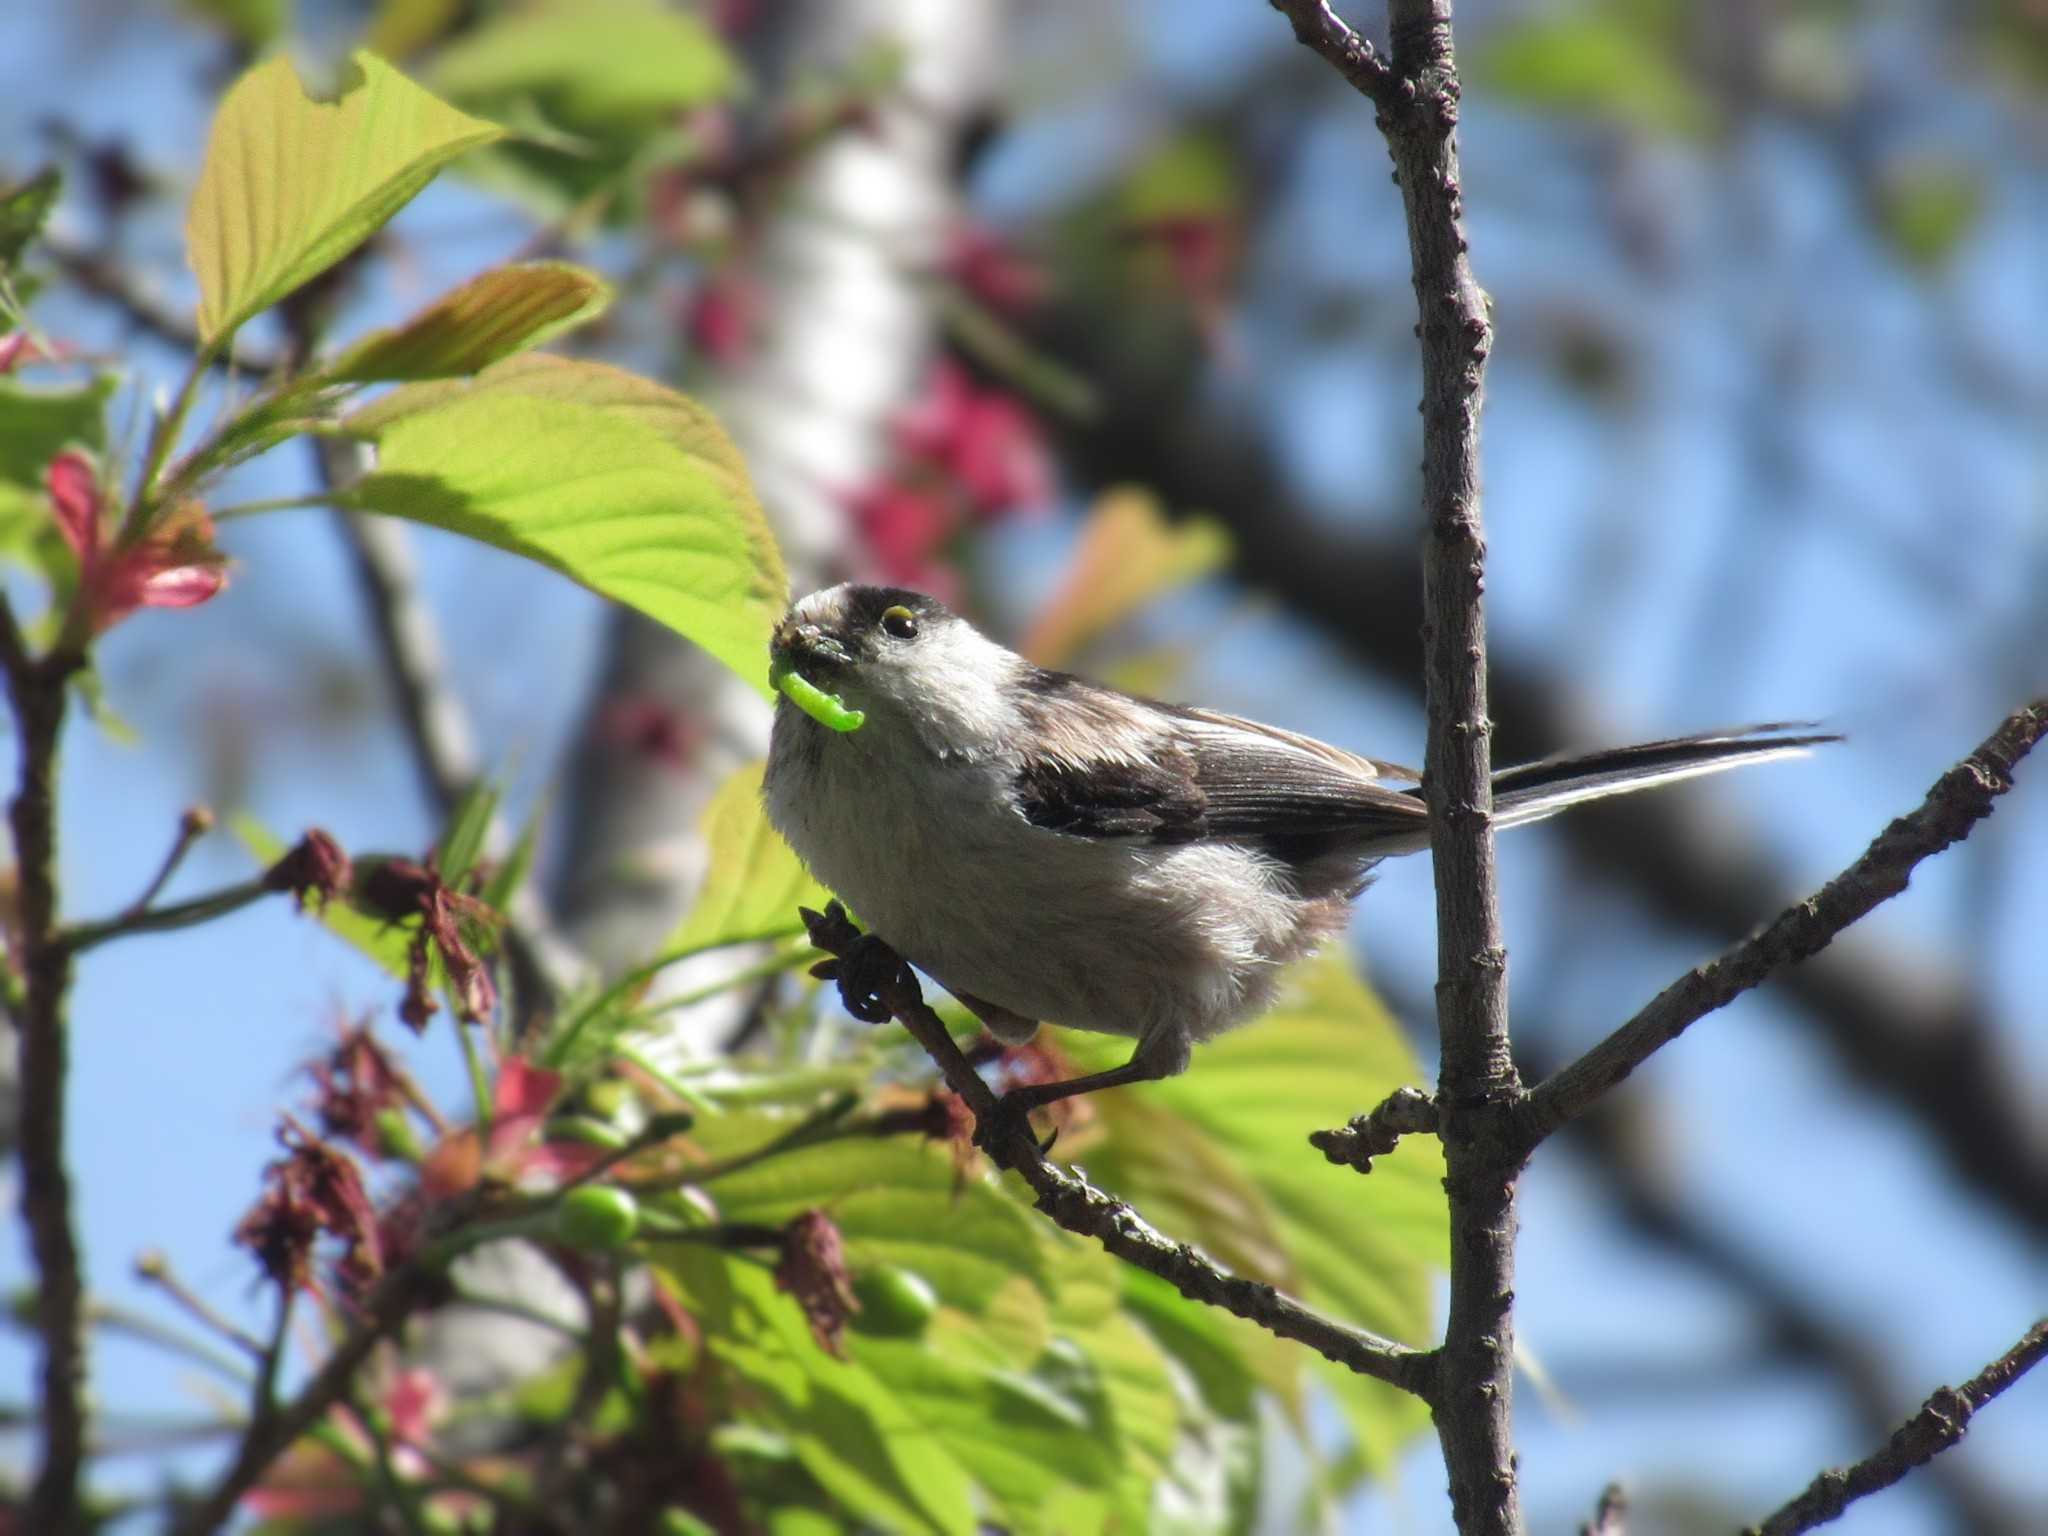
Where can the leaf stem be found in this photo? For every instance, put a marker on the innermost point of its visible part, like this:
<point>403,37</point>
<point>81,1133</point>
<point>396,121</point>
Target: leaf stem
<point>163,438</point>
<point>80,937</point>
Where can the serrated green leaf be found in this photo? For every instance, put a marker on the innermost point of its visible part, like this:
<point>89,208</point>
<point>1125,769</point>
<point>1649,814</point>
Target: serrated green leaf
<point>595,62</point>
<point>754,882</point>
<point>292,183</point>
<point>620,484</point>
<point>23,210</point>
<point>494,315</point>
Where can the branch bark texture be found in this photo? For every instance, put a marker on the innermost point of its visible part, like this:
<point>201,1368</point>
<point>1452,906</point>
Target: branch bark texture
<point>1478,1091</point>
<point>877,984</point>
<point>1940,1423</point>
<point>1959,799</point>
<point>36,686</point>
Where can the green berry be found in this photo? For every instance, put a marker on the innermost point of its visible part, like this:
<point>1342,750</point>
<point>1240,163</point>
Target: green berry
<point>597,1216</point>
<point>894,1303</point>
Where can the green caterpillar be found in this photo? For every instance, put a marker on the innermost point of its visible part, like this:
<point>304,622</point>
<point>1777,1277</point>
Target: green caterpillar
<point>825,708</point>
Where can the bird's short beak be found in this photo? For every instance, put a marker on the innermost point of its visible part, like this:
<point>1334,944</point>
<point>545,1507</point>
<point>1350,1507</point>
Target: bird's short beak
<point>806,649</point>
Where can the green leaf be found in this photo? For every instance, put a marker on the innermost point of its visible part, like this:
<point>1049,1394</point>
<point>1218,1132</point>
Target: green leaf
<point>1927,207</point>
<point>847,1429</point>
<point>608,63</point>
<point>490,317</point>
<point>754,882</point>
<point>38,424</point>
<point>1610,62</point>
<point>507,878</point>
<point>23,210</point>
<point>1365,1247</point>
<point>292,183</point>
<point>35,426</point>
<point>468,825</point>
<point>894,1203</point>
<point>622,485</point>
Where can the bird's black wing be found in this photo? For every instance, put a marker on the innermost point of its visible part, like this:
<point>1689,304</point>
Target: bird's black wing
<point>1104,765</point>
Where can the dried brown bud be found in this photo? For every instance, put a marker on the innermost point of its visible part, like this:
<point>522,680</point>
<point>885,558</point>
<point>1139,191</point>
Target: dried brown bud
<point>315,870</point>
<point>813,1270</point>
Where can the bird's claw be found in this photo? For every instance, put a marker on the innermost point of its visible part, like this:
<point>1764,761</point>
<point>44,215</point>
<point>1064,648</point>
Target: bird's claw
<point>1009,1120</point>
<point>868,972</point>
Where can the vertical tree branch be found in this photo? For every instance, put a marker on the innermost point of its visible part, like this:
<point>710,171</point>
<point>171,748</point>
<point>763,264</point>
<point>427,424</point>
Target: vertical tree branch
<point>1478,1090</point>
<point>36,687</point>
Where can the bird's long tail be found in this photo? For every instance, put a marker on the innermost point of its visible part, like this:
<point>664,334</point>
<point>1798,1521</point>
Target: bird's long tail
<point>1536,790</point>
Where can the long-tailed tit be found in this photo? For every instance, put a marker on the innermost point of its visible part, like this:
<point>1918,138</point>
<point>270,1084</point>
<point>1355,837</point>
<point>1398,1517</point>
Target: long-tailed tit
<point>1051,849</point>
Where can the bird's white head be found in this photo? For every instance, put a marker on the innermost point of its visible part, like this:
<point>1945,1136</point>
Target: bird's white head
<point>912,669</point>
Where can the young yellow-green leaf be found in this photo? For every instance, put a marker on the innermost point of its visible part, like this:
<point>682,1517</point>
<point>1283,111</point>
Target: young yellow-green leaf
<point>292,183</point>
<point>613,480</point>
<point>490,317</point>
<point>1128,554</point>
<point>597,62</point>
<point>755,883</point>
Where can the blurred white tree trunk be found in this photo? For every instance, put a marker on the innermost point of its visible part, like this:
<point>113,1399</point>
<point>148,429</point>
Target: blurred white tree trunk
<point>845,335</point>
<point>846,331</point>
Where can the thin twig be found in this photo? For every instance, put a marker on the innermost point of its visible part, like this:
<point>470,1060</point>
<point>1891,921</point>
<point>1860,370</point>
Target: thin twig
<point>1404,1112</point>
<point>154,1268</point>
<point>38,688</point>
<point>80,937</point>
<point>1074,1203</point>
<point>1959,799</point>
<point>193,825</point>
<point>400,1497</point>
<point>1318,27</point>
<point>263,1392</point>
<point>1939,1424</point>
<point>389,1305</point>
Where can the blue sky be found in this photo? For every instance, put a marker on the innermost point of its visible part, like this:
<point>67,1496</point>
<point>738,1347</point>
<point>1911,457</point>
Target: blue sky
<point>1869,574</point>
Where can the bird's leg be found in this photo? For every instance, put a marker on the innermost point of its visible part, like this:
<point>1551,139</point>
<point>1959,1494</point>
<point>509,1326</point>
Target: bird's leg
<point>1157,1056</point>
<point>1010,1028</point>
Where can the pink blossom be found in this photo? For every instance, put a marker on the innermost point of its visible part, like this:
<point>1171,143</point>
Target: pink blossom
<point>722,315</point>
<point>175,566</point>
<point>903,525</point>
<point>17,348</point>
<point>1000,458</point>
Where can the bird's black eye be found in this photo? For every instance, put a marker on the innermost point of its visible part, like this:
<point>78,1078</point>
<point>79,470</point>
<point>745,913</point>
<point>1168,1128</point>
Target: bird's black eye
<point>900,622</point>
